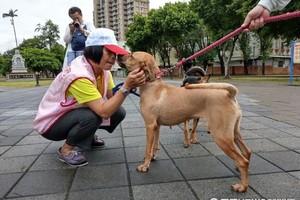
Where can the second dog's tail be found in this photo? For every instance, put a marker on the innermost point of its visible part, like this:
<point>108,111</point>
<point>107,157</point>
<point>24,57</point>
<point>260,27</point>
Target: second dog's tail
<point>218,86</point>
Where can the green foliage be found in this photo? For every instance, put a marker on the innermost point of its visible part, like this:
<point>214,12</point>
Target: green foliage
<point>41,53</point>
<point>40,60</point>
<point>49,33</point>
<point>138,38</point>
<point>172,26</point>
<point>59,51</point>
<point>35,42</point>
<point>244,43</point>
<point>288,29</point>
<point>4,65</point>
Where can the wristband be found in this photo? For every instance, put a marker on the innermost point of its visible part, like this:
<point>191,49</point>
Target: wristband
<point>124,91</point>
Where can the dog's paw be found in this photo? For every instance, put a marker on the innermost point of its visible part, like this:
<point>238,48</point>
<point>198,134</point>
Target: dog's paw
<point>194,141</point>
<point>239,187</point>
<point>142,168</point>
<point>153,158</point>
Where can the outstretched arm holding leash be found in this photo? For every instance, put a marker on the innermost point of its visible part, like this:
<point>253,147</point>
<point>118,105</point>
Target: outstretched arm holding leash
<point>255,17</point>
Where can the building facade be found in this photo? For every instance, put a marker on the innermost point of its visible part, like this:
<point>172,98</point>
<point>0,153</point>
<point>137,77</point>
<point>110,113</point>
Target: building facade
<point>118,14</point>
<point>277,63</point>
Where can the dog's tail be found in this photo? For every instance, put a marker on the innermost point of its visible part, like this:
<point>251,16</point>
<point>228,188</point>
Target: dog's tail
<point>218,86</point>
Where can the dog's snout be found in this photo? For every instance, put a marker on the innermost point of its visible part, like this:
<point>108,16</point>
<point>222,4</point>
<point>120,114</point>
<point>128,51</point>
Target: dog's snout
<point>120,61</point>
<point>119,58</point>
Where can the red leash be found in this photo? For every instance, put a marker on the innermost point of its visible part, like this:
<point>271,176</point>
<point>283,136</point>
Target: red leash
<point>236,32</point>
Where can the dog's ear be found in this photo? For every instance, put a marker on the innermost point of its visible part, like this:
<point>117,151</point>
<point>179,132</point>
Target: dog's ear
<point>148,66</point>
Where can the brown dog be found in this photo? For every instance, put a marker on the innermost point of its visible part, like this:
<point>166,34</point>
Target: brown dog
<point>164,104</point>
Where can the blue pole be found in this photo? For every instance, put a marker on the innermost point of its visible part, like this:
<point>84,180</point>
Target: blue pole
<point>292,63</point>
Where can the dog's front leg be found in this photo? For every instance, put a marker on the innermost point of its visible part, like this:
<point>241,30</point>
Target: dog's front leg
<point>151,132</point>
<point>155,147</point>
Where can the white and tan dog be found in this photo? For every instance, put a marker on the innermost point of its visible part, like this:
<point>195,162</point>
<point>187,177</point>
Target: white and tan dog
<point>164,104</point>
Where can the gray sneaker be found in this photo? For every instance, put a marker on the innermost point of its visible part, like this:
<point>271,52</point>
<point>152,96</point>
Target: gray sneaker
<point>74,158</point>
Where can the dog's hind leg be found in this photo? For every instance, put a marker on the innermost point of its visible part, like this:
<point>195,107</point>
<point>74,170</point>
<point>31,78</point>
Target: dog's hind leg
<point>151,133</point>
<point>239,142</point>
<point>193,138</point>
<point>226,143</point>
<point>186,132</point>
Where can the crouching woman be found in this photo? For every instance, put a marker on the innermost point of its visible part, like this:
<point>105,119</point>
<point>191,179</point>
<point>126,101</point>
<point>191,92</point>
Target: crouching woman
<point>80,99</point>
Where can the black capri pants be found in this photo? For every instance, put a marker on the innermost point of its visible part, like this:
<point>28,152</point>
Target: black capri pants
<point>79,126</point>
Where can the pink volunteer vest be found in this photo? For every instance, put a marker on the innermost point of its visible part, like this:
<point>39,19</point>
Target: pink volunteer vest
<point>55,102</point>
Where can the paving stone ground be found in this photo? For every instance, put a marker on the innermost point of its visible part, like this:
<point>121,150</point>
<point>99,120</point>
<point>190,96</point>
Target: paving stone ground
<point>30,169</point>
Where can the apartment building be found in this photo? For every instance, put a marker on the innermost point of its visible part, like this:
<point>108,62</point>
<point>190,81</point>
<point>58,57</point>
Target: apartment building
<point>118,14</point>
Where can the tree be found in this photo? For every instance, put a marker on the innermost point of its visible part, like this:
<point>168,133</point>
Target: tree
<point>4,65</point>
<point>164,29</point>
<point>244,42</point>
<point>173,25</point>
<point>265,40</point>
<point>138,38</point>
<point>288,29</point>
<point>59,51</point>
<point>195,40</point>
<point>156,25</point>
<point>35,42</point>
<point>49,33</point>
<point>220,17</point>
<point>12,14</point>
<point>40,60</point>
<point>181,21</point>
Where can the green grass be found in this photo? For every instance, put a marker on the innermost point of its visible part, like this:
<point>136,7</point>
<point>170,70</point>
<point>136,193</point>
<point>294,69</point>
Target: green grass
<point>281,80</point>
<point>261,79</point>
<point>22,83</point>
<point>246,79</point>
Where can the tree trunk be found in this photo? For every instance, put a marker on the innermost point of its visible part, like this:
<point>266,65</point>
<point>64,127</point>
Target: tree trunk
<point>246,64</point>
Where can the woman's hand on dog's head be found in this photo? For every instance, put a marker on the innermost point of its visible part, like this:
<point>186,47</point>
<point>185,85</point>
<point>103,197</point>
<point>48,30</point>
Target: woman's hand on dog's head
<point>135,79</point>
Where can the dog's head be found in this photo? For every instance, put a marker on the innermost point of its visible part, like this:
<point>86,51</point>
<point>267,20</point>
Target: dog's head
<point>195,75</point>
<point>139,59</point>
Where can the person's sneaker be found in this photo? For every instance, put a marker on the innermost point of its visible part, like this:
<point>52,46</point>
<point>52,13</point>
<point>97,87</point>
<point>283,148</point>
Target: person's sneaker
<point>97,142</point>
<point>74,158</point>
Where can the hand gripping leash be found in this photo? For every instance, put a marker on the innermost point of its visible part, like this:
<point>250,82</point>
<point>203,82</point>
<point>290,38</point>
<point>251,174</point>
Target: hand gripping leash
<point>236,32</point>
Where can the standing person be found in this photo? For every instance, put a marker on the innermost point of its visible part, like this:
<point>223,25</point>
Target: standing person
<point>255,17</point>
<point>75,35</point>
<point>80,98</point>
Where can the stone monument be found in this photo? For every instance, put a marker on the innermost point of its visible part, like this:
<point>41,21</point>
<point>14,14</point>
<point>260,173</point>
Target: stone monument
<point>18,68</point>
<point>18,64</point>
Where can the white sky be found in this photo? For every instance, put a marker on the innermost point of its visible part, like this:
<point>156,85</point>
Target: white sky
<point>33,12</point>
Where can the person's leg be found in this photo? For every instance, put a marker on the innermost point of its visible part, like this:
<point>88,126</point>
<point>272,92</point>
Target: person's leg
<point>78,53</point>
<point>70,57</point>
<point>77,126</point>
<point>115,120</point>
